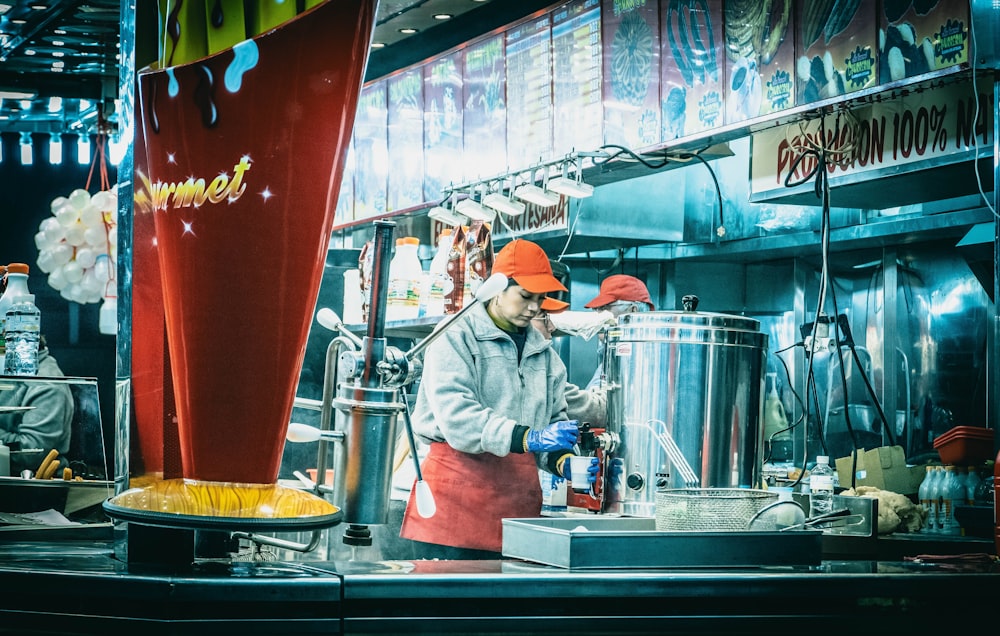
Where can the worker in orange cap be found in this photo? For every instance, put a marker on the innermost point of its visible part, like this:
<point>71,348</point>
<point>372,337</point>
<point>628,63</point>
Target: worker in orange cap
<point>619,294</point>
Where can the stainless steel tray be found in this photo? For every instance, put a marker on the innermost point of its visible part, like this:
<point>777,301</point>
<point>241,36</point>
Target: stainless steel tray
<point>601,542</point>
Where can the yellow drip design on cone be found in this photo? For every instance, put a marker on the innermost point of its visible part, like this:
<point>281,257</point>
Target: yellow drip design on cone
<point>186,497</point>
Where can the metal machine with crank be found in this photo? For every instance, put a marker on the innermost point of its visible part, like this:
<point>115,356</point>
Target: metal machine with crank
<point>600,443</point>
<point>363,395</point>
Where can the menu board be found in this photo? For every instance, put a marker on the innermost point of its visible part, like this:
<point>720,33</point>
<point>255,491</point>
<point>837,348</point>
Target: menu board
<point>693,67</point>
<point>406,140</point>
<point>485,112</point>
<point>370,152</point>
<point>576,77</point>
<point>442,125</point>
<point>631,38</point>
<point>529,92</point>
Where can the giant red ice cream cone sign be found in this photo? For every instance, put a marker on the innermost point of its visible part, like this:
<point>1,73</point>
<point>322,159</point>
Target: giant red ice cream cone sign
<point>245,153</point>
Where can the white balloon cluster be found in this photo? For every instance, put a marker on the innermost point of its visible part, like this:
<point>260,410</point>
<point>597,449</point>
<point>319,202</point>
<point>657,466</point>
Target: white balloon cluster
<point>77,245</point>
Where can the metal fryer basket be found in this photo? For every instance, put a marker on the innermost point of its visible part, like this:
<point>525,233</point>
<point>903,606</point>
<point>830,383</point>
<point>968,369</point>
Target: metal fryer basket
<point>708,509</point>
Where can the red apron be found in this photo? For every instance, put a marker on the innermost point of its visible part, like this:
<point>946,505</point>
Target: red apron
<point>473,493</point>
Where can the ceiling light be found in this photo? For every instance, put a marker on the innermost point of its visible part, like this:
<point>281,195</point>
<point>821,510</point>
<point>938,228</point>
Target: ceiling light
<point>5,94</point>
<point>55,149</point>
<point>27,153</point>
<point>533,194</point>
<point>378,45</point>
<point>475,210</point>
<point>500,203</point>
<point>443,16</point>
<point>83,150</point>
<point>446,216</point>
<point>5,7</point>
<point>409,30</point>
<point>571,187</point>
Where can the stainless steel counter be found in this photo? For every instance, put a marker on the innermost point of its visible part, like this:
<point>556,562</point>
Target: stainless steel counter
<point>82,588</point>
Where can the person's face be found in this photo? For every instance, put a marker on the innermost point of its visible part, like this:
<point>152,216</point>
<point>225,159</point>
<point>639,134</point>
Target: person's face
<point>616,308</point>
<point>543,324</point>
<point>517,305</point>
<point>619,307</point>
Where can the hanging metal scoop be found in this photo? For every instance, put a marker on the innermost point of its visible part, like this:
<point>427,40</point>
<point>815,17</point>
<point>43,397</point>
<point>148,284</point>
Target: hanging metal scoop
<point>425,498</point>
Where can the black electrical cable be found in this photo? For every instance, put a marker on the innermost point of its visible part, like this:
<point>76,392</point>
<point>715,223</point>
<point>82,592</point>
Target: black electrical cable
<point>718,194</point>
<point>622,150</point>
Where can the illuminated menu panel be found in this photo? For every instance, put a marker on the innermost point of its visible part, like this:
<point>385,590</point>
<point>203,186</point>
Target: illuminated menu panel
<point>485,109</point>
<point>371,156</point>
<point>631,43</point>
<point>442,124</point>
<point>576,77</point>
<point>406,140</point>
<point>529,92</point>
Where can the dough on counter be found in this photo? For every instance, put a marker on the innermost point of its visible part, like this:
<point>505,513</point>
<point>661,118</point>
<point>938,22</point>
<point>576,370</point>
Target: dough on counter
<point>896,513</point>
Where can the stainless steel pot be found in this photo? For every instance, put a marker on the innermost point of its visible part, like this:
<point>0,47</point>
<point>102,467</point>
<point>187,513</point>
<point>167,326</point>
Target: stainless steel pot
<point>685,400</point>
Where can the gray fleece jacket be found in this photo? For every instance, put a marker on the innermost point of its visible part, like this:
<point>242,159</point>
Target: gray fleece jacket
<point>47,425</point>
<point>473,392</point>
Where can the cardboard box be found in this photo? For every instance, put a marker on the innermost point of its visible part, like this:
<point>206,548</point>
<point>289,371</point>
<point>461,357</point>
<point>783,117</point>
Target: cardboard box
<point>884,468</point>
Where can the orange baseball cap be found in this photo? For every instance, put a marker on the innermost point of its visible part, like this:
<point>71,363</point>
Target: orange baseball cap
<point>528,265</point>
<point>553,306</point>
<point>621,287</point>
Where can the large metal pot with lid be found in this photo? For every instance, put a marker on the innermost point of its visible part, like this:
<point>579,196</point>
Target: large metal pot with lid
<point>685,402</point>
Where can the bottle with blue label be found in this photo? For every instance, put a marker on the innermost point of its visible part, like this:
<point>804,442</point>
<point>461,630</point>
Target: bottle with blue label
<point>17,285</point>
<point>21,334</point>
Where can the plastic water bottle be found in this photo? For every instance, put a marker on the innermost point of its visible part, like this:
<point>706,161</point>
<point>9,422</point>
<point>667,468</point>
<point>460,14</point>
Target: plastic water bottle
<point>405,273</point>
<point>972,481</point>
<point>937,501</point>
<point>952,493</point>
<point>925,499</point>
<point>17,285</point>
<point>22,330</point>
<point>821,487</point>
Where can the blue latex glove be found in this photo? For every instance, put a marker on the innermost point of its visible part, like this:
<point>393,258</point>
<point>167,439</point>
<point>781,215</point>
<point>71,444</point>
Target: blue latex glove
<point>592,470</point>
<point>556,436</point>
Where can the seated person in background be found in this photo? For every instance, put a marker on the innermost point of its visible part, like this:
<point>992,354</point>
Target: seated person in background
<point>47,424</point>
<point>620,294</point>
<point>586,405</point>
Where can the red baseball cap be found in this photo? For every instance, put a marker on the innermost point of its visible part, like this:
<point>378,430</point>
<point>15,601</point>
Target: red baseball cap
<point>621,287</point>
<point>528,265</point>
